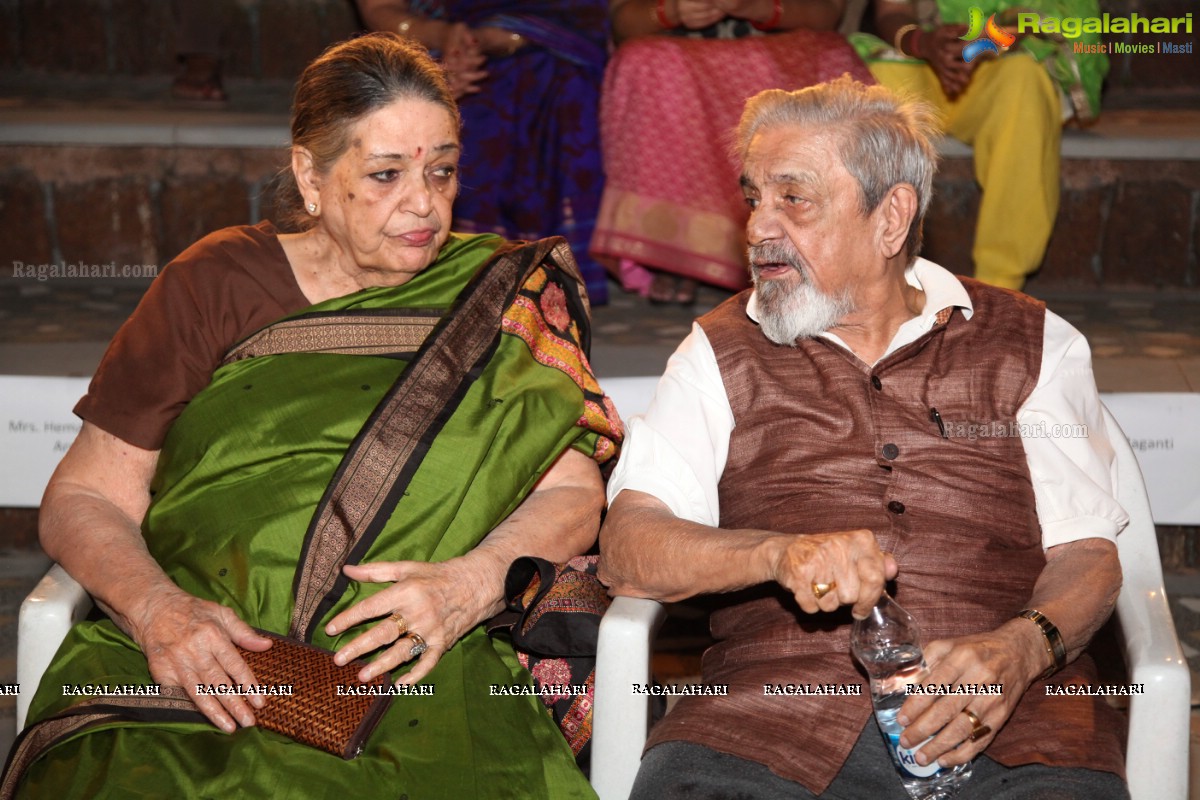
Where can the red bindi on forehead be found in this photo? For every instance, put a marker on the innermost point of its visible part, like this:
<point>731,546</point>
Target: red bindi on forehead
<point>418,153</point>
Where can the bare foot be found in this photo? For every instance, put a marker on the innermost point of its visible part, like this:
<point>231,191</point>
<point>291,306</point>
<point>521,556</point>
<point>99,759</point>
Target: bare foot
<point>685,292</point>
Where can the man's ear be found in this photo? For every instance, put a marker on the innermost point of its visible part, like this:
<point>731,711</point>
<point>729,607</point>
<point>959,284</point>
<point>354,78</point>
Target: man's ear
<point>896,213</point>
<point>307,178</point>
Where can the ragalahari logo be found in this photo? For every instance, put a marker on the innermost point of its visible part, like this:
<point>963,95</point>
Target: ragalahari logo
<point>984,37</point>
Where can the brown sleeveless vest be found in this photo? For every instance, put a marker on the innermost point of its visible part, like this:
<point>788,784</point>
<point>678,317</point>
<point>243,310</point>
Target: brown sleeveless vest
<point>822,442</point>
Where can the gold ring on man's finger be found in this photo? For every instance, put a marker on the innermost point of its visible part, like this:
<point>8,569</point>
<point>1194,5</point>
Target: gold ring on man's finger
<point>978,729</point>
<point>822,589</point>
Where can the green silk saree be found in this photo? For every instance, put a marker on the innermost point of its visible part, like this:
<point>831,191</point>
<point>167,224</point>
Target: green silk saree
<point>239,477</point>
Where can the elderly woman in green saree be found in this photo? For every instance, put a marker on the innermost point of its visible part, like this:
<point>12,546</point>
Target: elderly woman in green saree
<point>346,435</point>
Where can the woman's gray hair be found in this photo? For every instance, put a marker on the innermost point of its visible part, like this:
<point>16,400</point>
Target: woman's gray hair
<point>344,84</point>
<point>886,140</point>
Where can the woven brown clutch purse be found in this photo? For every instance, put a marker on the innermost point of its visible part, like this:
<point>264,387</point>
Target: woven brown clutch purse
<point>317,712</point>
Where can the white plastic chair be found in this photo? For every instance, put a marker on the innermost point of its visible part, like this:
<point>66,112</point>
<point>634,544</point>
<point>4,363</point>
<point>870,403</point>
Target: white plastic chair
<point>1157,747</point>
<point>1156,758</point>
<point>54,605</point>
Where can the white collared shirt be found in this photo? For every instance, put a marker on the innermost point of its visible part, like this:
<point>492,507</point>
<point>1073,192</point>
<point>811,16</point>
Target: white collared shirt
<point>676,451</point>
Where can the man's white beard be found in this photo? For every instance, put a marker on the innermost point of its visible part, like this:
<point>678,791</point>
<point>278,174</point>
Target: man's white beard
<point>789,311</point>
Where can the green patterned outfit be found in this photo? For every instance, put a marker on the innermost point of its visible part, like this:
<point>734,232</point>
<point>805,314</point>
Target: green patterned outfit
<point>1079,76</point>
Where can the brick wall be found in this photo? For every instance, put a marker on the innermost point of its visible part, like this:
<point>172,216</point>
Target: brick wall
<point>260,38</point>
<point>131,205</point>
<point>1130,72</point>
<point>1120,224</point>
<point>18,529</point>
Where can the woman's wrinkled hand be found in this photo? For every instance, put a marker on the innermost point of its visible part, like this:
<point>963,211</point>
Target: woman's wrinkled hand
<point>439,602</point>
<point>463,59</point>
<point>188,642</point>
<point>849,562</point>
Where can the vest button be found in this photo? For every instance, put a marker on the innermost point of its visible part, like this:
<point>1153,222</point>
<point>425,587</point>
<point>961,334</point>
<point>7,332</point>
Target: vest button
<point>896,507</point>
<point>890,451</point>
<point>878,384</point>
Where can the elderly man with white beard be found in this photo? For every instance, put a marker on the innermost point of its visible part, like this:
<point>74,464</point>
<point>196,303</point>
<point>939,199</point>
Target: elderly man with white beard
<point>815,440</point>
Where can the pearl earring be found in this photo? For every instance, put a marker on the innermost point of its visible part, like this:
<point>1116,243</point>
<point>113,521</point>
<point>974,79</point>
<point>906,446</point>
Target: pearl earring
<point>312,208</point>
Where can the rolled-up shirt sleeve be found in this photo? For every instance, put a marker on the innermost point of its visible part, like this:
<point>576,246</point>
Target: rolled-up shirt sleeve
<point>1067,444</point>
<point>676,451</point>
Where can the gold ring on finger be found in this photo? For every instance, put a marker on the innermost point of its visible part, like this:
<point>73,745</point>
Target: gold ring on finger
<point>401,624</point>
<point>822,589</point>
<point>419,647</point>
<point>978,729</point>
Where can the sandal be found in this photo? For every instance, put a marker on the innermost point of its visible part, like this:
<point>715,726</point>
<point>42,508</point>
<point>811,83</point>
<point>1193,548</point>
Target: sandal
<point>662,289</point>
<point>667,288</point>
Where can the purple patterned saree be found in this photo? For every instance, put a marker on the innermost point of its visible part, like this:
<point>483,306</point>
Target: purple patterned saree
<point>531,137</point>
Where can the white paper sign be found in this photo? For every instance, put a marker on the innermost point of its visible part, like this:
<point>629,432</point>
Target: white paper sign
<point>36,428</point>
<point>630,395</point>
<point>1164,430</point>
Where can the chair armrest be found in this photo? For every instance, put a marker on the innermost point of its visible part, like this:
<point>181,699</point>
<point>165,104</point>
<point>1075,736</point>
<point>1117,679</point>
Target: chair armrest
<point>1159,720</point>
<point>621,717</point>
<point>46,615</point>
<point>1156,758</point>
<point>1156,761</point>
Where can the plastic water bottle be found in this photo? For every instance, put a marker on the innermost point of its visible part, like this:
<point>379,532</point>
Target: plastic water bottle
<point>888,644</point>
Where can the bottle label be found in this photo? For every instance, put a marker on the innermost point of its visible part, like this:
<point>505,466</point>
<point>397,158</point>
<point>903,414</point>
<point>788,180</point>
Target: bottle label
<point>906,758</point>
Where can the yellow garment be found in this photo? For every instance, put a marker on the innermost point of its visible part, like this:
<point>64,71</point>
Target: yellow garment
<point>1011,115</point>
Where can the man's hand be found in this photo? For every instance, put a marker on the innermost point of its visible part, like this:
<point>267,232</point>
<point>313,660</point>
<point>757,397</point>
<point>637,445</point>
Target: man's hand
<point>1077,589</point>
<point>852,560</point>
<point>1013,656</point>
<point>684,558</point>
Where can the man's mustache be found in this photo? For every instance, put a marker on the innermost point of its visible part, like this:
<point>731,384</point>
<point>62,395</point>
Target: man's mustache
<point>774,253</point>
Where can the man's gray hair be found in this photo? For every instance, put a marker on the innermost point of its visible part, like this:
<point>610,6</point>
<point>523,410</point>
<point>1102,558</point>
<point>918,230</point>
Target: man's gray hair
<point>886,140</point>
